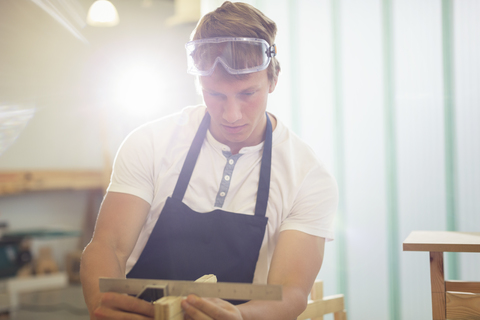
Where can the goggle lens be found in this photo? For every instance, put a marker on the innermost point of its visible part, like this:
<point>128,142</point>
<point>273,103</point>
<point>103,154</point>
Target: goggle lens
<point>237,55</point>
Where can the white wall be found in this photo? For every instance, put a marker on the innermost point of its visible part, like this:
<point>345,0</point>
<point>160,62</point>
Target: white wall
<point>81,110</point>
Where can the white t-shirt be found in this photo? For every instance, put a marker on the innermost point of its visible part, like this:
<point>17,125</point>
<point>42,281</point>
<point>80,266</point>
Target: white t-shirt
<point>303,195</point>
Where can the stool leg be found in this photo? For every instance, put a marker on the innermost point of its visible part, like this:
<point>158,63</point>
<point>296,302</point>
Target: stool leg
<point>317,293</point>
<point>438,286</point>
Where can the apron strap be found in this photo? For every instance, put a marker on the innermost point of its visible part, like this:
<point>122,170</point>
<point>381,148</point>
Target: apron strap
<point>192,156</point>
<point>265,169</point>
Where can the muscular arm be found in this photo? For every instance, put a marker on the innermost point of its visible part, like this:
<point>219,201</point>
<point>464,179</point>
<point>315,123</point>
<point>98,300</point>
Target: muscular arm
<point>118,226</point>
<point>295,265</point>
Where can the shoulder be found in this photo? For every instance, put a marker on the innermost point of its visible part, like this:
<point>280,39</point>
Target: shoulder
<point>308,190</point>
<point>292,150</point>
<point>152,149</point>
<point>296,164</point>
<point>162,136</point>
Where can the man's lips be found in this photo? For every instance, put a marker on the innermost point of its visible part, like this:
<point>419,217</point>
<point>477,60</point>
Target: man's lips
<point>233,129</point>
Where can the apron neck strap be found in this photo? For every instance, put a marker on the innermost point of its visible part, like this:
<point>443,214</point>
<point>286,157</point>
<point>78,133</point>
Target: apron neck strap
<point>194,151</point>
<point>192,156</point>
<point>265,169</point>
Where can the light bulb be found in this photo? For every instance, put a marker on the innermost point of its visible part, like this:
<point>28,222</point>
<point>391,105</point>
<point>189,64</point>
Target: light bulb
<point>102,13</point>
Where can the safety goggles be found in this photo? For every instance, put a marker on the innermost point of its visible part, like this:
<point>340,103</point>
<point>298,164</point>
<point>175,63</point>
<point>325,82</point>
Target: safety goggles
<point>237,55</point>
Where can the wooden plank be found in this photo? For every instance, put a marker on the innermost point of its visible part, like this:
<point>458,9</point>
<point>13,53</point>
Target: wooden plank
<point>207,278</point>
<point>12,182</point>
<point>317,294</point>
<point>170,308</point>
<point>463,286</point>
<point>442,241</point>
<point>341,315</point>
<point>438,285</point>
<point>334,303</point>
<point>465,306</point>
<point>330,304</point>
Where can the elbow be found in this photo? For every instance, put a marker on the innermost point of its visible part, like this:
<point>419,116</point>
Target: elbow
<point>298,300</point>
<point>303,303</point>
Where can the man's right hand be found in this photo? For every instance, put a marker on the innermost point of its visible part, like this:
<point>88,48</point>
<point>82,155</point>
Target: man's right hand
<point>121,306</point>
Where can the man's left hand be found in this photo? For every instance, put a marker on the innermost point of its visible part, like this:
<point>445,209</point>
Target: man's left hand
<point>209,309</point>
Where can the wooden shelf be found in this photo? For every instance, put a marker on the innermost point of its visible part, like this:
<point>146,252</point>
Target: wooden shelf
<point>13,182</point>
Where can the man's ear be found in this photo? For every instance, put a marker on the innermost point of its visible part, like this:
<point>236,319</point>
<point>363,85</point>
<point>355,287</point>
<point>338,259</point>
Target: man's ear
<point>273,84</point>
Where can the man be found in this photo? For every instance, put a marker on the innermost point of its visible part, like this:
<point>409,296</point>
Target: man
<point>222,189</point>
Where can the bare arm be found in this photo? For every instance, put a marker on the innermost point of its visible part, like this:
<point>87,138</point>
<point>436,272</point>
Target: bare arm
<point>118,226</point>
<point>295,265</point>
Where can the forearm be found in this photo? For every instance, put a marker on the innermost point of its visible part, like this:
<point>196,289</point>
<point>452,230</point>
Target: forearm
<point>98,261</point>
<point>293,303</point>
<point>295,265</point>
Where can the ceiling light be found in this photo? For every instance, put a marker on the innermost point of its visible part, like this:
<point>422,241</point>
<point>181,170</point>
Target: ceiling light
<point>102,13</point>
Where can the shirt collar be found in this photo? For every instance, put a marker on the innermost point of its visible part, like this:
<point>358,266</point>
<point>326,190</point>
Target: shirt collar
<point>223,147</point>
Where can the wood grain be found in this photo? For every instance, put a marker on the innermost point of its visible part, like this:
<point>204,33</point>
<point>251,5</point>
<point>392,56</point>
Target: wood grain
<point>438,285</point>
<point>463,286</point>
<point>465,306</point>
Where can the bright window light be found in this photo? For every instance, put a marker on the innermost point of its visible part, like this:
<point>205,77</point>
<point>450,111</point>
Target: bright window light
<point>138,89</point>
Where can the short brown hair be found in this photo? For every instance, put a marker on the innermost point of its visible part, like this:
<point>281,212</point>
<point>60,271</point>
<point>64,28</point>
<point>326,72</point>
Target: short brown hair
<point>239,20</point>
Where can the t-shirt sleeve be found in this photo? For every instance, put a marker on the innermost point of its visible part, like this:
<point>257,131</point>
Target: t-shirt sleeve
<point>315,205</point>
<point>133,167</point>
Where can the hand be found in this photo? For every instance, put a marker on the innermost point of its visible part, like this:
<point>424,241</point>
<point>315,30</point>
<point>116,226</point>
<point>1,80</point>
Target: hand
<point>120,306</point>
<point>209,309</point>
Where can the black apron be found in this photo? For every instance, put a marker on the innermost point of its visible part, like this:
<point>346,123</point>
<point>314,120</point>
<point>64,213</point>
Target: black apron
<point>185,244</point>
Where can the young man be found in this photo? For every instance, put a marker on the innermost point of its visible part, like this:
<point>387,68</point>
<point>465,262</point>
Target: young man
<point>222,189</point>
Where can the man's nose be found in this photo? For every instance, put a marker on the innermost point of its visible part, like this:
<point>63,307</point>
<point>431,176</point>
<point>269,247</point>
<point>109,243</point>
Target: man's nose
<point>232,111</point>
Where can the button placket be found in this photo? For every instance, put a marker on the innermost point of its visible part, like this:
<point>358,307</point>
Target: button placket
<point>227,177</point>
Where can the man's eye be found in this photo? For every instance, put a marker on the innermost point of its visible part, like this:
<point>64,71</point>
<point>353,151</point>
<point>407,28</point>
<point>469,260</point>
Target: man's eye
<point>248,93</point>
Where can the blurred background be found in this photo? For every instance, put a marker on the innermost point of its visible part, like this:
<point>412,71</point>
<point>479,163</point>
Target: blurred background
<point>387,93</point>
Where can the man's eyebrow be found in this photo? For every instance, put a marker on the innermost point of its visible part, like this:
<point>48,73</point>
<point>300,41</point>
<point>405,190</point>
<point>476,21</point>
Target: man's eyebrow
<point>252,88</point>
<point>207,89</point>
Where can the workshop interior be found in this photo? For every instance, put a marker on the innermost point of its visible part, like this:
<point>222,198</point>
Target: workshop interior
<point>386,92</point>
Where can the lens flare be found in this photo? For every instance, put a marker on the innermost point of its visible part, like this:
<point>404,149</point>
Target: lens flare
<point>13,120</point>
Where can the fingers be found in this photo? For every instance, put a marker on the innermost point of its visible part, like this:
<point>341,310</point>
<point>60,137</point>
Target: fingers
<point>194,309</point>
<point>120,306</point>
<point>208,309</point>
